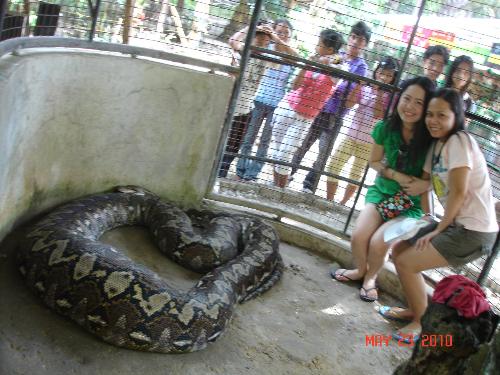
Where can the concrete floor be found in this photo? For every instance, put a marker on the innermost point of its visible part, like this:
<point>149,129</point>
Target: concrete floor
<point>306,324</point>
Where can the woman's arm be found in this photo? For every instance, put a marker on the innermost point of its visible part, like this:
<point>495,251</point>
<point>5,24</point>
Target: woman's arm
<point>425,201</point>
<point>282,46</point>
<point>299,79</point>
<point>353,97</point>
<point>458,181</point>
<point>378,108</point>
<point>426,196</point>
<point>411,185</point>
<point>375,163</point>
<point>376,156</point>
<point>237,40</point>
<point>417,186</point>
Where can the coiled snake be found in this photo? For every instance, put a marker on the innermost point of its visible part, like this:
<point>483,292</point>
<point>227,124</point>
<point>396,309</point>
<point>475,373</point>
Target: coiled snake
<point>125,303</point>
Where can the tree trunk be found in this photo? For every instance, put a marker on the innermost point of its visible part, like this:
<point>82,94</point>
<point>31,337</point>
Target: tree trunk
<point>178,25</point>
<point>26,14</point>
<point>160,26</point>
<point>240,19</point>
<point>127,20</point>
<point>200,23</point>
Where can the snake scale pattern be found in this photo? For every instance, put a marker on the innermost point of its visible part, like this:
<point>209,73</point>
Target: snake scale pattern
<point>125,303</point>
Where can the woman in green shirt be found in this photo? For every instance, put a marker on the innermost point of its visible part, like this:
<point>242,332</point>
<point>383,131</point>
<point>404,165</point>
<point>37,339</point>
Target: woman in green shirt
<point>398,155</point>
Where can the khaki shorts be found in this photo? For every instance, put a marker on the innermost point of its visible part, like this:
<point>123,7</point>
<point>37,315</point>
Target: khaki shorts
<point>457,244</point>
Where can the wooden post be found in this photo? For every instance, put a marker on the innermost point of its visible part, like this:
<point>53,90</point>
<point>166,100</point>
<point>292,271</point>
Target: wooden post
<point>127,20</point>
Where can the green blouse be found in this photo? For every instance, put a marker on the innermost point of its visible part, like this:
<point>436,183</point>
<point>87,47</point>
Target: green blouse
<point>384,188</point>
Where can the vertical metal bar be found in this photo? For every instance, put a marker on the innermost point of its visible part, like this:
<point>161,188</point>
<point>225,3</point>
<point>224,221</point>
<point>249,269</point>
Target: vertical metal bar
<point>356,198</point>
<point>245,56</point>
<point>388,109</point>
<point>489,262</point>
<point>410,42</point>
<point>3,10</point>
<point>94,13</point>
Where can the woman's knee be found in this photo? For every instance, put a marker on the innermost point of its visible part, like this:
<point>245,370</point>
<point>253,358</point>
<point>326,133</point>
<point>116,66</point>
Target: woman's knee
<point>378,247</point>
<point>360,236</point>
<point>401,260</point>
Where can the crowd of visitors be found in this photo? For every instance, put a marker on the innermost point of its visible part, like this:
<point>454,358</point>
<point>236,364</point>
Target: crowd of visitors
<point>417,144</point>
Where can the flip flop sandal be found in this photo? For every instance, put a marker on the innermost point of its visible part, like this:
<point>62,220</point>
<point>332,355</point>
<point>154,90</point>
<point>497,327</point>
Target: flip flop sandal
<point>365,296</point>
<point>385,311</point>
<point>338,276</point>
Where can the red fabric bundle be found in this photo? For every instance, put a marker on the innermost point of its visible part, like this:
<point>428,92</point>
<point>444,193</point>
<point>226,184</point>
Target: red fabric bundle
<point>462,294</point>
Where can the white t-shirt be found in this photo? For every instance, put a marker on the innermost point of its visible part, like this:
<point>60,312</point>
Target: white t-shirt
<point>461,150</point>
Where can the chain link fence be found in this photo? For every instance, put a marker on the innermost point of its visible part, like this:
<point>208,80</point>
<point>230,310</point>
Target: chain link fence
<point>307,161</point>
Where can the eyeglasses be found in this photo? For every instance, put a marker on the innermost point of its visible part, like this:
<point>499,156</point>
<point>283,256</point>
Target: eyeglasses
<point>402,160</point>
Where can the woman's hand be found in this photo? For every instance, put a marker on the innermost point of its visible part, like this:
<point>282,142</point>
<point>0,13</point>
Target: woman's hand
<point>424,241</point>
<point>415,186</point>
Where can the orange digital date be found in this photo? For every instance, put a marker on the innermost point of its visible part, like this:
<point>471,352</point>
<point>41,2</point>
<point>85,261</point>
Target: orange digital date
<point>426,340</point>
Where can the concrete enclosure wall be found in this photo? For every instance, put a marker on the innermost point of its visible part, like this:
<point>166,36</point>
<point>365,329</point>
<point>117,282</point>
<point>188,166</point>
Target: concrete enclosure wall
<point>74,123</point>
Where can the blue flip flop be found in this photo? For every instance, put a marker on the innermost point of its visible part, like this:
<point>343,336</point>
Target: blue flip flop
<point>384,311</point>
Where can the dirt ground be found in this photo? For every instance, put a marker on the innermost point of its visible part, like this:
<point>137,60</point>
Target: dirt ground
<point>306,324</point>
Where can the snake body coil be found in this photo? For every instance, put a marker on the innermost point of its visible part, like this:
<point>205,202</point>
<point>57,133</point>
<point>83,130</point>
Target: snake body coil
<point>127,304</point>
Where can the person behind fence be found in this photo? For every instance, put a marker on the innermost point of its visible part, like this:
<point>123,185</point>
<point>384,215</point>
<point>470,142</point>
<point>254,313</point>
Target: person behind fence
<point>435,59</point>
<point>327,124</point>
<point>271,90</point>
<point>459,78</point>
<point>250,83</point>
<point>373,103</point>
<point>299,107</point>
<point>468,228</point>
<point>398,155</point>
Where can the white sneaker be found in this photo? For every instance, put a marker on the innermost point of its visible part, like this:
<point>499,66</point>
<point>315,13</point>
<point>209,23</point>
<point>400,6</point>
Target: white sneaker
<point>307,191</point>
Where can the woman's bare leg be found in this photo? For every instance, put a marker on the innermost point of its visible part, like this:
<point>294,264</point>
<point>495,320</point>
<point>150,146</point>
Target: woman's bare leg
<point>331,189</point>
<point>409,264</point>
<point>349,192</point>
<point>377,256</point>
<point>367,223</point>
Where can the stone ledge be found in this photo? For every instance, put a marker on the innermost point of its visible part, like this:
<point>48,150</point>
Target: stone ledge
<point>319,242</point>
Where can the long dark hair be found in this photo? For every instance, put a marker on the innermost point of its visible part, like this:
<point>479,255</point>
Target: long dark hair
<point>454,99</point>
<point>421,138</point>
<point>454,67</point>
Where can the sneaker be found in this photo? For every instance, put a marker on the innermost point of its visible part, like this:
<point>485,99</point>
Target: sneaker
<point>307,191</point>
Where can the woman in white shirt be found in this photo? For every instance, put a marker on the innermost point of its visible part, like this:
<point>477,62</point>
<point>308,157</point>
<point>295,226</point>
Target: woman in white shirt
<point>468,229</point>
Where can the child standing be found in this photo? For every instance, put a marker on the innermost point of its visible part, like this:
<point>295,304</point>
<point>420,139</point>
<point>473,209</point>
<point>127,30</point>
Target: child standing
<point>372,104</point>
<point>297,110</point>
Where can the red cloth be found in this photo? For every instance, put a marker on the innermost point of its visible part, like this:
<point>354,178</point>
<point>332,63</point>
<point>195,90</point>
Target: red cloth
<point>462,294</point>
<point>311,96</point>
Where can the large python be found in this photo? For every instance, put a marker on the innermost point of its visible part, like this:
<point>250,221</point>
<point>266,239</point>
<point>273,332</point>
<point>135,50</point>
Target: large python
<point>127,304</point>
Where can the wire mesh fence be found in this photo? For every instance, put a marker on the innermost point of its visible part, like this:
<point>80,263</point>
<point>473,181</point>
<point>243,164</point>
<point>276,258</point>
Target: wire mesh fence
<point>306,154</point>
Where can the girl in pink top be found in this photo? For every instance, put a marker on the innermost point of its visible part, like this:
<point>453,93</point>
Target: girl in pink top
<point>372,103</point>
<point>468,229</point>
<point>297,110</point>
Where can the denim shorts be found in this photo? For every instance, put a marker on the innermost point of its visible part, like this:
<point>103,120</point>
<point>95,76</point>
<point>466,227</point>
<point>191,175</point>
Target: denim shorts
<point>458,245</point>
